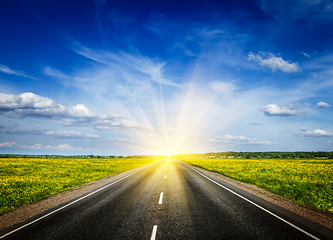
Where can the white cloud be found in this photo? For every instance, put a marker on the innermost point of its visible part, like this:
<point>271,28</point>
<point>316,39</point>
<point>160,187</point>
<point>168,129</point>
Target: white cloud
<point>39,131</point>
<point>153,68</point>
<point>306,55</point>
<point>238,140</point>
<point>315,133</point>
<point>7,70</point>
<point>60,111</point>
<point>62,147</point>
<point>134,78</point>
<point>57,74</point>
<point>323,105</point>
<point>26,100</point>
<point>38,146</point>
<point>32,105</point>
<point>275,110</point>
<point>70,134</point>
<point>104,124</point>
<point>8,144</point>
<point>16,145</point>
<point>225,88</point>
<point>273,62</point>
<point>10,129</point>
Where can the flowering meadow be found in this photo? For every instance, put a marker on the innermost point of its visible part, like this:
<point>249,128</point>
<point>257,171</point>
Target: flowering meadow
<point>26,180</point>
<point>308,182</point>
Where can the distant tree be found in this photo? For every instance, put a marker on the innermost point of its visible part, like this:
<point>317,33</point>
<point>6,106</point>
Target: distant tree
<point>24,156</point>
<point>91,156</point>
<point>112,156</point>
<point>120,157</point>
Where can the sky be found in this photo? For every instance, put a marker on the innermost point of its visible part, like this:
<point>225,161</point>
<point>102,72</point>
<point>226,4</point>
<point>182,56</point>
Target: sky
<point>165,77</point>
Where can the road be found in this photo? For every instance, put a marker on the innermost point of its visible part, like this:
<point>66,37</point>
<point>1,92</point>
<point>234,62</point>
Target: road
<point>167,200</point>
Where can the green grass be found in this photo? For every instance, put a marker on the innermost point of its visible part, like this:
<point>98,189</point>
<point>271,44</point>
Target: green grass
<point>23,181</point>
<point>308,182</point>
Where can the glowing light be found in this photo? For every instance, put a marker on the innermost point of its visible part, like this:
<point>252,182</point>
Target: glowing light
<point>177,127</point>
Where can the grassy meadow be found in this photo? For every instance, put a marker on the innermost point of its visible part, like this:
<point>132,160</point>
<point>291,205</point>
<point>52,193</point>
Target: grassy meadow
<point>26,180</point>
<point>308,182</point>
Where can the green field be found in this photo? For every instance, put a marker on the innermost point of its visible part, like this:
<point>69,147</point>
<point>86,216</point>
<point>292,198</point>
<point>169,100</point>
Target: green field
<point>26,180</point>
<point>308,182</point>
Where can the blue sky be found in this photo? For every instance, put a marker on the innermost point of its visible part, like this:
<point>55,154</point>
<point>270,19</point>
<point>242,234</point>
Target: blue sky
<point>165,77</point>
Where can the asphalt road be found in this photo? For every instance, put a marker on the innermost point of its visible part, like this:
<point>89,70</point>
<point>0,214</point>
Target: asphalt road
<point>167,200</point>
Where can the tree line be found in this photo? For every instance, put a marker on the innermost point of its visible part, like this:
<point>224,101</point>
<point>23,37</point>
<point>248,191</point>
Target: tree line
<point>259,155</point>
<point>77,156</point>
<point>230,154</point>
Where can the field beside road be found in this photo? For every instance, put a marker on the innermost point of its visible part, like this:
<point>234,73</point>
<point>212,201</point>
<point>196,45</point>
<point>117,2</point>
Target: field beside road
<point>26,180</point>
<point>308,182</point>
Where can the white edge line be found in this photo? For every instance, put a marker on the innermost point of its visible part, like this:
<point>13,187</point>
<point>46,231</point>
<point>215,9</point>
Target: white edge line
<point>303,231</point>
<point>57,210</point>
<point>153,234</point>
<point>161,198</point>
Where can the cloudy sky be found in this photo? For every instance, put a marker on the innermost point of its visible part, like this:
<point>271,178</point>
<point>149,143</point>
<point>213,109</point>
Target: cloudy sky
<point>163,77</point>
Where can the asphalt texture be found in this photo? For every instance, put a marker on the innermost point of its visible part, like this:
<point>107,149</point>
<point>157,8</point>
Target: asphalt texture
<point>192,207</point>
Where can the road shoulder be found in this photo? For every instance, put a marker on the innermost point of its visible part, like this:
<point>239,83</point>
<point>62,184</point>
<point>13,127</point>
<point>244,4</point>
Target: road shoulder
<point>324,219</point>
<point>23,213</point>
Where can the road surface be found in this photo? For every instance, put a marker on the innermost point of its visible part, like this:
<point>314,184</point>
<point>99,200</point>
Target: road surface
<point>167,200</point>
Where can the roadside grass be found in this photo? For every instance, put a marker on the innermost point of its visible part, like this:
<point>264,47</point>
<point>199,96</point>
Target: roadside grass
<point>308,182</point>
<point>23,181</point>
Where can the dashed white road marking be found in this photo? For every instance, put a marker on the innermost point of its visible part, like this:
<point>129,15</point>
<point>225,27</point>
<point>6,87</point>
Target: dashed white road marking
<point>153,234</point>
<point>161,198</point>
